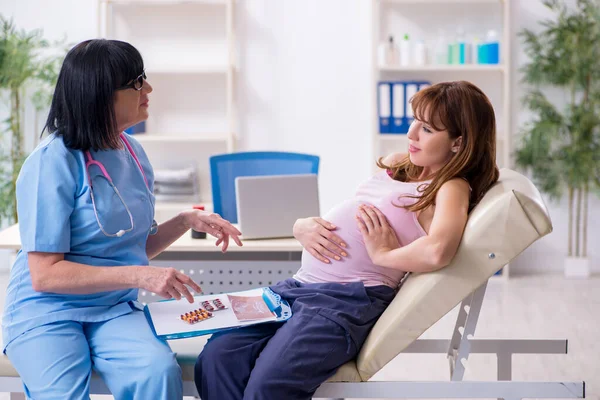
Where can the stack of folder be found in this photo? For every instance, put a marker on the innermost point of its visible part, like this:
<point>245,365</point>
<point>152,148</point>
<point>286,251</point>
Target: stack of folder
<point>177,185</point>
<point>393,105</point>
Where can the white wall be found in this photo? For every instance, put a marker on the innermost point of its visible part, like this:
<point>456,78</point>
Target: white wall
<point>304,85</point>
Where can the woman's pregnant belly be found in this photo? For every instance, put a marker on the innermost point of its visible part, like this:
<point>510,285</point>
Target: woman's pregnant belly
<point>357,266</point>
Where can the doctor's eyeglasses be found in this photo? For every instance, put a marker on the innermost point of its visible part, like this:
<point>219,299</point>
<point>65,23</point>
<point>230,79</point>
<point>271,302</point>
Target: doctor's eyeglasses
<point>136,84</point>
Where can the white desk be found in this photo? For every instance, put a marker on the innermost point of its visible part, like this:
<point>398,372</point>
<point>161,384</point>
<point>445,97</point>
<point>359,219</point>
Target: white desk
<point>10,240</point>
<point>256,263</point>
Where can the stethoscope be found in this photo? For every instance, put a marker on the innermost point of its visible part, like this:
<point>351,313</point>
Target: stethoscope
<point>90,161</point>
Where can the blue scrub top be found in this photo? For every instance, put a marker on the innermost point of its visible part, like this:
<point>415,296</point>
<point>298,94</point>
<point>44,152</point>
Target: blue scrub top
<point>56,216</point>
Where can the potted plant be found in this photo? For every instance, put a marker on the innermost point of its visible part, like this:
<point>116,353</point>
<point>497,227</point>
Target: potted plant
<point>560,146</point>
<point>28,72</point>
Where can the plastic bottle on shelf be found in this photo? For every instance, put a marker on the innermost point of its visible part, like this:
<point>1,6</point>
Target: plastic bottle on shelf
<point>462,50</point>
<point>475,45</point>
<point>482,53</point>
<point>492,47</point>
<point>381,53</point>
<point>453,52</point>
<point>440,49</point>
<point>388,53</point>
<point>421,53</point>
<point>405,50</point>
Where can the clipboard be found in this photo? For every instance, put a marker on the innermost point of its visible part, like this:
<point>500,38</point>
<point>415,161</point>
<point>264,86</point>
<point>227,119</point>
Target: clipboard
<point>168,319</point>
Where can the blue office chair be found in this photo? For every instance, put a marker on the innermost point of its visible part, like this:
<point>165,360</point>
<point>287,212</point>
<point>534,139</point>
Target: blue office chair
<point>224,168</point>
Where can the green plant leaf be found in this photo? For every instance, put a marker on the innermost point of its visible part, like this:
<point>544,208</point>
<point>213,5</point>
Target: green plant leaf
<point>561,146</point>
<point>27,60</point>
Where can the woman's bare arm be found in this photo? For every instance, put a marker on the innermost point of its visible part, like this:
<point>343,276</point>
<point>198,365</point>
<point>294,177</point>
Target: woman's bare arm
<point>50,272</point>
<point>428,253</point>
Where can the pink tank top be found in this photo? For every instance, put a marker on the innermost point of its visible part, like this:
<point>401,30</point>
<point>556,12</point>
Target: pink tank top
<point>384,193</point>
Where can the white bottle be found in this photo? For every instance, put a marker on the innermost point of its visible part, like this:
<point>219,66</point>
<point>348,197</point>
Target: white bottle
<point>492,44</point>
<point>381,54</point>
<point>388,53</point>
<point>440,49</point>
<point>463,48</point>
<point>475,50</point>
<point>405,51</point>
<point>420,53</point>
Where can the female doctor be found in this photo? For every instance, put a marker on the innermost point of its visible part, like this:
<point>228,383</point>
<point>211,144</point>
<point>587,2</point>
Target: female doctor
<point>86,209</point>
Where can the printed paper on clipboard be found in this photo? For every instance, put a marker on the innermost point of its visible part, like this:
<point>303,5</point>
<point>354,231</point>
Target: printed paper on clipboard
<point>244,308</point>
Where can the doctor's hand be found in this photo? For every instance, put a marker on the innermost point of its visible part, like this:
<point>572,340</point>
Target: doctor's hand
<point>213,224</point>
<point>167,282</point>
<point>314,234</point>
<point>378,235</point>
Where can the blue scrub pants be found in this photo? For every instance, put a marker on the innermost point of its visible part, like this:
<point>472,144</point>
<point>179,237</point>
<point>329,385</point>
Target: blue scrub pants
<point>55,361</point>
<point>290,360</point>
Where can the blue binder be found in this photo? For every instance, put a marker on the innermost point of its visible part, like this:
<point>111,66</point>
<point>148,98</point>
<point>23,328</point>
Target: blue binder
<point>411,87</point>
<point>399,105</point>
<point>396,95</point>
<point>137,128</point>
<point>245,308</point>
<point>384,106</point>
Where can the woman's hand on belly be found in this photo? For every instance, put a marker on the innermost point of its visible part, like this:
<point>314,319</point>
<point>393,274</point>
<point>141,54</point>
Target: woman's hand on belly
<point>314,234</point>
<point>378,235</point>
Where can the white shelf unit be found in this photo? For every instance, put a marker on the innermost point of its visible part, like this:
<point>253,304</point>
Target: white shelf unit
<point>166,2</point>
<point>422,19</point>
<point>189,51</point>
<point>182,138</point>
<point>441,2</point>
<point>444,68</point>
<point>191,69</point>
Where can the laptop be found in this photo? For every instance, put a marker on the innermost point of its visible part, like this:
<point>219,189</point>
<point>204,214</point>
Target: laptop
<point>268,206</point>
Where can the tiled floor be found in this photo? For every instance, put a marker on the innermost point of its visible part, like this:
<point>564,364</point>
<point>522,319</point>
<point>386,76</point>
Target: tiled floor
<point>528,307</point>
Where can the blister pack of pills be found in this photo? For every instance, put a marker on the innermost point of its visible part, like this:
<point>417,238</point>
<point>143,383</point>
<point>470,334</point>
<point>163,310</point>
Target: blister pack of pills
<point>219,304</point>
<point>196,316</point>
<point>213,305</point>
<point>207,306</point>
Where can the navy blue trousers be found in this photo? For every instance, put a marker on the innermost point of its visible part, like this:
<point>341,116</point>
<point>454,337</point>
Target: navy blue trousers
<point>290,360</point>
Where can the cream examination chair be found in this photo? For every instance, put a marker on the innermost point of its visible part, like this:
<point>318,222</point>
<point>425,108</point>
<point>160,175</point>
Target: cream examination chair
<point>509,219</point>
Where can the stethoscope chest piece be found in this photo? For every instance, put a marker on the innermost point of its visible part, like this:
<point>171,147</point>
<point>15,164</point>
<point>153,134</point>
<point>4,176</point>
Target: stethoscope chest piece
<point>89,162</point>
<point>154,227</point>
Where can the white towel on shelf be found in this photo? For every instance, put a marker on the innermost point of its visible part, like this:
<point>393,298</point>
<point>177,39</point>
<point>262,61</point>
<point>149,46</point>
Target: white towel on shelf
<point>175,175</point>
<point>190,198</point>
<point>175,189</point>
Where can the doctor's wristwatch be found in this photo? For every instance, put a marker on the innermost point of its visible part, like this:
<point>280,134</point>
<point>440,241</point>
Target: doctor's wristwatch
<point>195,234</point>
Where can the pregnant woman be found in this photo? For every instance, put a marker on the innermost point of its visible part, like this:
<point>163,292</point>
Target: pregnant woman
<point>409,217</point>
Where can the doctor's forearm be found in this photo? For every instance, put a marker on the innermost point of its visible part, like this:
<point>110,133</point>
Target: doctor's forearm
<point>168,232</point>
<point>67,277</point>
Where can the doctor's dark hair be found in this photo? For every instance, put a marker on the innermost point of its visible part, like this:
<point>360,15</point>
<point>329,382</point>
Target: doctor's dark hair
<point>82,109</point>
